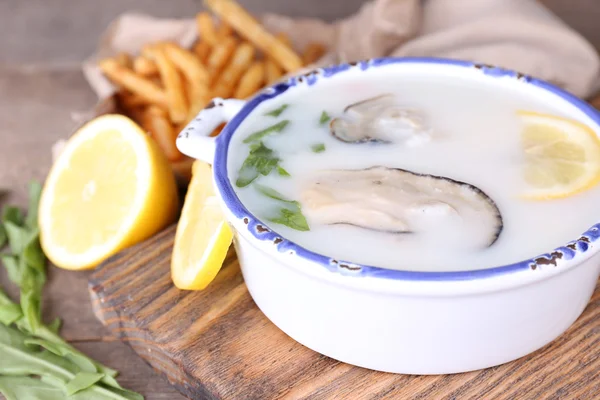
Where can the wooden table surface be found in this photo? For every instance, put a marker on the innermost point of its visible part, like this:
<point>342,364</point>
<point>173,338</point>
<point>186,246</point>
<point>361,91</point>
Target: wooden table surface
<point>42,92</point>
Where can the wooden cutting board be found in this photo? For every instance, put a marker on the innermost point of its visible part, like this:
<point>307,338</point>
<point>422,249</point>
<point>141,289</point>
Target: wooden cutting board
<point>216,344</point>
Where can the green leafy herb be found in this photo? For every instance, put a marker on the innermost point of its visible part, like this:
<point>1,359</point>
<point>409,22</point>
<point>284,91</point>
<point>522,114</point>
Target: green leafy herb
<point>13,214</point>
<point>35,192</point>
<point>11,263</point>
<point>25,387</point>
<point>292,218</point>
<point>277,112</point>
<point>256,136</point>
<point>17,237</point>
<point>318,148</point>
<point>324,118</point>
<point>82,380</point>
<point>281,171</point>
<point>9,312</point>
<point>290,215</point>
<point>55,325</point>
<point>3,237</point>
<point>274,194</point>
<point>35,362</point>
<point>261,160</point>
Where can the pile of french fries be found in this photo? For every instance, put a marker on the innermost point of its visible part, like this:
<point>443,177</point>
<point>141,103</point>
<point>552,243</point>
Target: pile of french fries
<point>165,86</point>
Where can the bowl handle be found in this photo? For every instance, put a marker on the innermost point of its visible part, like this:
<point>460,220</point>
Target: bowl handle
<point>194,139</point>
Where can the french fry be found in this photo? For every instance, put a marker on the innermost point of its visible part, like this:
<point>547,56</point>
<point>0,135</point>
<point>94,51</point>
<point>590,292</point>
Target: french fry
<point>312,53</point>
<point>176,101</point>
<point>224,30</point>
<point>206,28</point>
<point>226,82</point>
<point>186,62</point>
<point>244,24</point>
<point>123,59</point>
<point>284,38</point>
<point>220,55</point>
<point>272,71</point>
<point>129,101</point>
<point>155,121</point>
<point>202,50</point>
<point>132,82</point>
<point>195,75</point>
<point>144,66</point>
<point>251,81</point>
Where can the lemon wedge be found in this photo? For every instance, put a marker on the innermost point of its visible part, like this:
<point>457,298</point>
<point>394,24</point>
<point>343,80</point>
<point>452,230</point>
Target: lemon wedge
<point>110,188</point>
<point>562,156</point>
<point>203,235</point>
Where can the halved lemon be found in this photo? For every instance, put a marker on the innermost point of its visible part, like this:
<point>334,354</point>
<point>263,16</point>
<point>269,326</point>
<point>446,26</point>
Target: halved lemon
<point>110,188</point>
<point>562,156</point>
<point>203,235</point>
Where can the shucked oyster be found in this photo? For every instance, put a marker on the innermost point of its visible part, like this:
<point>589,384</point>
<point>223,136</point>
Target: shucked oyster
<point>380,119</point>
<point>400,201</point>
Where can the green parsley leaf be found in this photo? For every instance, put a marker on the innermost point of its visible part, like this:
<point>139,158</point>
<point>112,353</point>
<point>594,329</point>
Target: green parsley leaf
<point>292,218</point>
<point>261,160</point>
<point>256,136</point>
<point>324,118</point>
<point>277,112</point>
<point>281,171</point>
<point>274,194</point>
<point>318,148</point>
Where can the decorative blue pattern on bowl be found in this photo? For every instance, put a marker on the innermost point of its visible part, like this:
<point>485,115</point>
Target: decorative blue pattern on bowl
<point>260,231</point>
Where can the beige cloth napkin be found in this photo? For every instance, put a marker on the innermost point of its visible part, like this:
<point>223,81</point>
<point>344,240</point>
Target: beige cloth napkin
<point>515,34</point>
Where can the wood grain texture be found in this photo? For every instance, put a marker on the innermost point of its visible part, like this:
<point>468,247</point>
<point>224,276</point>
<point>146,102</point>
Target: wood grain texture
<point>216,344</point>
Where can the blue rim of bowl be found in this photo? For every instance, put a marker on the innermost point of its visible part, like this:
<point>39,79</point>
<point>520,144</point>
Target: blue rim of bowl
<point>260,231</point>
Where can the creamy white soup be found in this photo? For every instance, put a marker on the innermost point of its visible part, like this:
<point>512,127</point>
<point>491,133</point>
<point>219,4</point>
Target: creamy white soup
<point>417,172</point>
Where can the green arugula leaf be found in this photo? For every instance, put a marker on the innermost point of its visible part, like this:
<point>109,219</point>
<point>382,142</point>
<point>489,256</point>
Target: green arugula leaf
<point>32,252</point>
<point>9,312</point>
<point>55,325</point>
<point>37,349</point>
<point>59,349</point>
<point>282,172</point>
<point>277,112</point>
<point>35,192</point>
<point>11,263</point>
<point>3,237</point>
<point>17,359</point>
<point>256,136</point>
<point>261,160</point>
<point>292,218</point>
<point>17,237</point>
<point>318,148</point>
<point>25,387</point>
<point>324,118</point>
<point>82,380</point>
<point>14,215</point>
<point>32,282</point>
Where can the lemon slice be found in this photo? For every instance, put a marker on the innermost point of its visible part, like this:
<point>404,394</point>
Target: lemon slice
<point>110,188</point>
<point>203,235</point>
<point>562,156</point>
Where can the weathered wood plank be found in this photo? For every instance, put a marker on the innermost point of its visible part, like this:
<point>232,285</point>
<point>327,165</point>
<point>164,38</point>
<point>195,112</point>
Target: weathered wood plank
<point>217,344</point>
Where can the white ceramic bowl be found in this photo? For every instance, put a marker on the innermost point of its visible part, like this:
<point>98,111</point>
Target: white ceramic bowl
<point>402,321</point>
